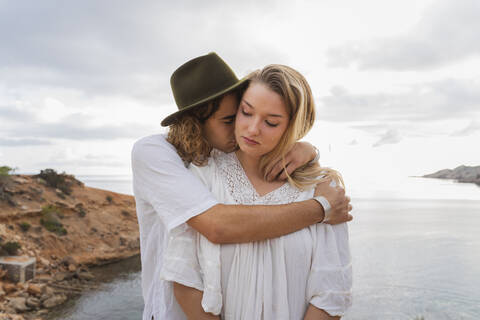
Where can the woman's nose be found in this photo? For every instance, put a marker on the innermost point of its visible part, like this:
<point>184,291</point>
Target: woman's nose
<point>254,127</point>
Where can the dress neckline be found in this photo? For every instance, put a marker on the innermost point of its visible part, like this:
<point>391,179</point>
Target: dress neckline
<point>249,183</point>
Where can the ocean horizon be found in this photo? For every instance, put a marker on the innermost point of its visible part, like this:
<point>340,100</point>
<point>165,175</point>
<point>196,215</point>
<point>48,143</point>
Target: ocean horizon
<point>394,188</point>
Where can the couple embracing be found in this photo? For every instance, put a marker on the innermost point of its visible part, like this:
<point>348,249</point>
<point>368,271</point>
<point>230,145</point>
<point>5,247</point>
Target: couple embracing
<point>237,218</point>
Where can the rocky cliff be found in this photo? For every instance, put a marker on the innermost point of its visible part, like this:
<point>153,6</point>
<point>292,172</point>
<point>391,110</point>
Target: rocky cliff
<point>67,229</point>
<point>461,174</point>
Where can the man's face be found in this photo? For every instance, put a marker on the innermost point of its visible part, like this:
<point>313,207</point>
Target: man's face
<point>219,128</point>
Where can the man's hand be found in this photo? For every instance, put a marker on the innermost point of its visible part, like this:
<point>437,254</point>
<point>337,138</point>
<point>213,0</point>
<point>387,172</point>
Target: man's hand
<point>300,154</point>
<point>340,203</point>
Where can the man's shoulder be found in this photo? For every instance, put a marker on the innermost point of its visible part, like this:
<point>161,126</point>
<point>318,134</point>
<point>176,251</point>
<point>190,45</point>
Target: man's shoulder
<point>159,139</point>
<point>153,141</point>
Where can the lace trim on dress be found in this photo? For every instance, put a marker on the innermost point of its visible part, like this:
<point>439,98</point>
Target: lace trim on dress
<point>242,190</point>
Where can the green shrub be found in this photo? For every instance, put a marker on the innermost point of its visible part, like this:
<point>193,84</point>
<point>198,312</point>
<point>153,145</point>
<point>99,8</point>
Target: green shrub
<point>109,199</point>
<point>50,220</point>
<point>82,213</point>
<point>6,171</point>
<point>24,226</point>
<point>125,213</point>
<point>4,182</point>
<point>10,248</point>
<point>56,180</point>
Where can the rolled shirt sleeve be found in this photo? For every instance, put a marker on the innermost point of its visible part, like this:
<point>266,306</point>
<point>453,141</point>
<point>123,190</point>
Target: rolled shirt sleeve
<point>329,284</point>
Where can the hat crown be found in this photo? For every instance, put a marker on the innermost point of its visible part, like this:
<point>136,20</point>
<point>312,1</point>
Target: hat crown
<point>199,79</point>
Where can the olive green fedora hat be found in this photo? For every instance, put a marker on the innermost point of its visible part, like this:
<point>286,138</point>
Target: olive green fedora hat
<point>199,81</point>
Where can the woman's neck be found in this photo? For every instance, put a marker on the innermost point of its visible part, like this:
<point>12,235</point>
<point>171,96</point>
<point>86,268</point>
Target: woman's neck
<point>251,165</point>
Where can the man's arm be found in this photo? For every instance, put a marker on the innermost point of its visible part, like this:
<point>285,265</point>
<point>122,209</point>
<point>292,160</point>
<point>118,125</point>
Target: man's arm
<point>178,196</point>
<point>241,223</point>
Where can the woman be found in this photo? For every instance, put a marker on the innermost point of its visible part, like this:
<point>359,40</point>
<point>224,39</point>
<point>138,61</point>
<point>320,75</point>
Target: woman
<point>303,275</point>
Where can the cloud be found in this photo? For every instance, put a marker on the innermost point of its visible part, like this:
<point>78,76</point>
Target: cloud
<point>468,130</point>
<point>7,142</point>
<point>391,136</point>
<point>440,100</point>
<point>85,162</point>
<point>447,33</point>
<point>15,114</point>
<point>121,47</point>
<point>75,126</point>
<point>73,131</point>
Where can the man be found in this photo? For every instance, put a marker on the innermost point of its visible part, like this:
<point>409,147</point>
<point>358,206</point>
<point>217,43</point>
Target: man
<point>167,194</point>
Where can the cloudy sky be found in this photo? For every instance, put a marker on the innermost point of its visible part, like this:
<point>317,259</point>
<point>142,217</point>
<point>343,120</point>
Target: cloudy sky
<point>397,83</point>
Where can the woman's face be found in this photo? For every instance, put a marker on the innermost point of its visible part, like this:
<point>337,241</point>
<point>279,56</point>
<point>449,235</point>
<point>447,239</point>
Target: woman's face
<point>261,120</point>
<point>218,128</point>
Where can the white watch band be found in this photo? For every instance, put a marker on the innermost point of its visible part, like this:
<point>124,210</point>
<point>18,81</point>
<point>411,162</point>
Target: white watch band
<point>317,156</point>
<point>325,204</point>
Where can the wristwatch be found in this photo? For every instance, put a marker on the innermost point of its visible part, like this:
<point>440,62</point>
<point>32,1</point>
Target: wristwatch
<point>325,204</point>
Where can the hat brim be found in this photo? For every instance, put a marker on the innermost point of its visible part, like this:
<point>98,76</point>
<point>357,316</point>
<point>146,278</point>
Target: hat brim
<point>171,119</point>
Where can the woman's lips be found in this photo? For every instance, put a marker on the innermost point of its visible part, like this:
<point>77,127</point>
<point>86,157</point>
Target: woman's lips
<point>250,141</point>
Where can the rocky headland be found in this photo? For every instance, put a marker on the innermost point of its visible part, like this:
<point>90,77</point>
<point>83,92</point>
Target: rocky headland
<point>68,228</point>
<point>464,174</point>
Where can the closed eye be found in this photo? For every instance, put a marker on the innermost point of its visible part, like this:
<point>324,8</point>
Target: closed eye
<point>245,113</point>
<point>273,125</point>
<point>228,119</point>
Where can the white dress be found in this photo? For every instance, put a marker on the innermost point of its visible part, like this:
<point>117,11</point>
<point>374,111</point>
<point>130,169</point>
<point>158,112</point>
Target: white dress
<point>270,279</point>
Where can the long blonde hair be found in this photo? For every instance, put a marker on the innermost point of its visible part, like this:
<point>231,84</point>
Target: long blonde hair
<point>298,98</point>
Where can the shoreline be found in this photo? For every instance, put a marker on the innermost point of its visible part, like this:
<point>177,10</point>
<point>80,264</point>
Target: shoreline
<point>91,227</point>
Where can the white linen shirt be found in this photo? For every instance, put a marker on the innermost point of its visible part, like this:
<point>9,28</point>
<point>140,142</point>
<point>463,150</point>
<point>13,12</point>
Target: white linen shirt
<point>167,195</point>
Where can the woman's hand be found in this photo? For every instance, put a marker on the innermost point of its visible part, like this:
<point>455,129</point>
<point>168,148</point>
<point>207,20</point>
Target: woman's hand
<point>190,300</point>
<point>300,154</point>
<point>339,203</point>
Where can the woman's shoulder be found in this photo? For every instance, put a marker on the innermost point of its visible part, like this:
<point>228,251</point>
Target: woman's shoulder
<point>217,162</point>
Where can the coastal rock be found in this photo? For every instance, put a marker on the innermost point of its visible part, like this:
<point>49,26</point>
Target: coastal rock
<point>461,174</point>
<point>20,180</point>
<point>68,260</point>
<point>101,236</point>
<point>84,275</point>
<point>33,302</point>
<point>36,289</point>
<point>19,304</point>
<point>54,301</point>
<point>10,315</point>
<point>134,244</point>
<point>9,287</point>
<point>44,261</point>
<point>21,294</point>
<point>48,293</point>
<point>61,276</point>
<point>21,286</point>
<point>9,310</point>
